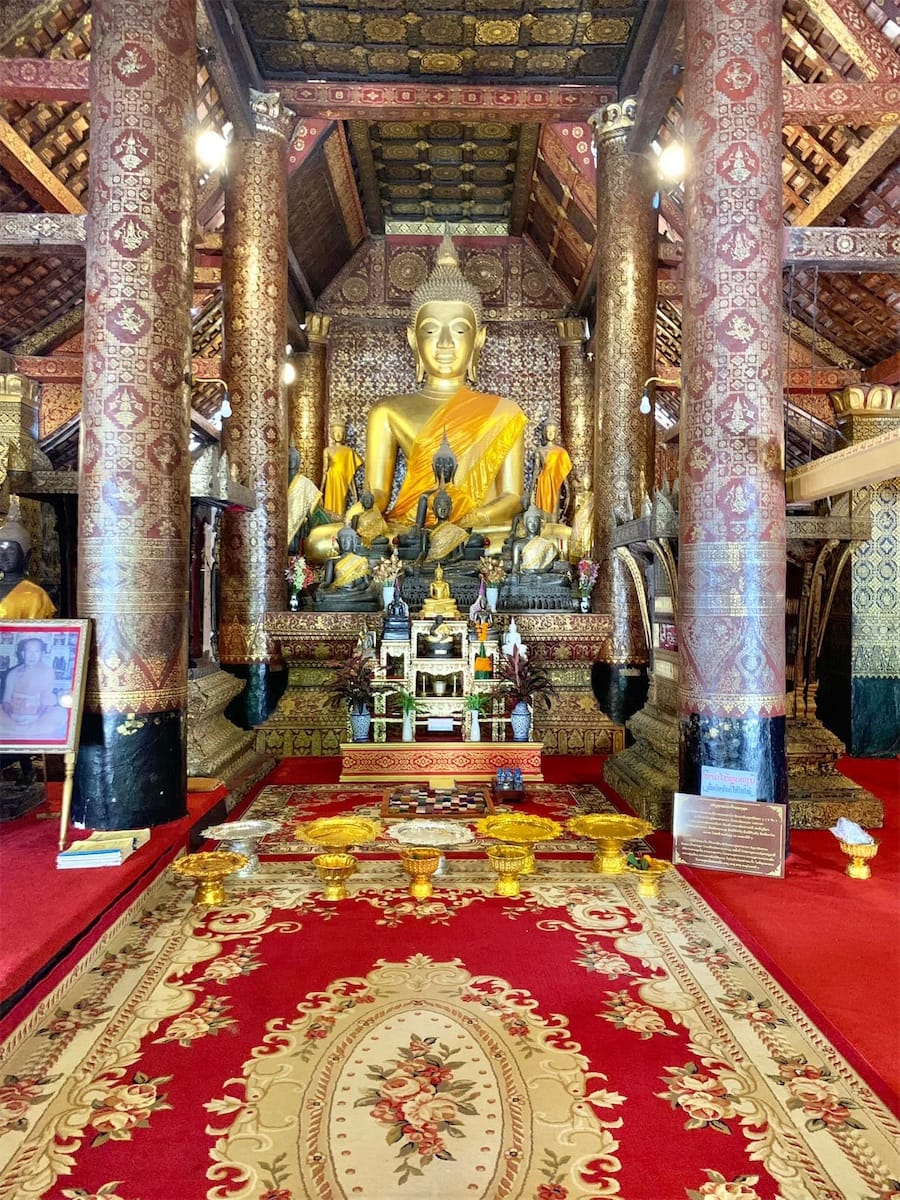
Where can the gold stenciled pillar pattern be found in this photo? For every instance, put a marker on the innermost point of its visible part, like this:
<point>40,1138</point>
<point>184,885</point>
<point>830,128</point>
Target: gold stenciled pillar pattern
<point>134,506</point>
<point>623,341</point>
<point>254,292</point>
<point>18,417</point>
<point>308,394</point>
<point>576,398</point>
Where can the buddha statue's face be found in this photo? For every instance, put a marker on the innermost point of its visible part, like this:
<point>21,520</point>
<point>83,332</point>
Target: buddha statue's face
<point>446,339</point>
<point>442,506</point>
<point>551,432</point>
<point>12,558</point>
<point>338,433</point>
<point>533,524</point>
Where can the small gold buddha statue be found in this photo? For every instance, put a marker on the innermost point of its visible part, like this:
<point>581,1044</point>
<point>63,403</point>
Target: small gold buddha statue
<point>439,602</point>
<point>339,466</point>
<point>554,467</point>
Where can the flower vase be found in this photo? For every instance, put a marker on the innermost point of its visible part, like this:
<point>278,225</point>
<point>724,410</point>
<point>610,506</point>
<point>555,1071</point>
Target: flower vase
<point>493,595</point>
<point>409,729</point>
<point>520,719</point>
<point>387,593</point>
<point>585,604</point>
<point>295,602</point>
<point>360,722</point>
<point>475,727</point>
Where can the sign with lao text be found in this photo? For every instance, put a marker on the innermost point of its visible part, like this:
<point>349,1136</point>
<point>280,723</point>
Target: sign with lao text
<point>729,835</point>
<point>728,783</point>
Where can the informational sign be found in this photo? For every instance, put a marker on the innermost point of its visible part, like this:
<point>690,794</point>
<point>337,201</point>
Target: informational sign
<point>729,835</point>
<point>728,783</point>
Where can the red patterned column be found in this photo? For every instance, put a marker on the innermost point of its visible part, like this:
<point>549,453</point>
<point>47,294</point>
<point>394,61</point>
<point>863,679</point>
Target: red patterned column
<point>732,523</point>
<point>134,507</point>
<point>627,225</point>
<point>254,291</point>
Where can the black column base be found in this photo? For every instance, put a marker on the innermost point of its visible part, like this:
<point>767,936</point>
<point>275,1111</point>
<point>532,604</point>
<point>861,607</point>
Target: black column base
<point>874,717</point>
<point>264,688</point>
<point>131,771</point>
<point>740,743</point>
<point>620,688</point>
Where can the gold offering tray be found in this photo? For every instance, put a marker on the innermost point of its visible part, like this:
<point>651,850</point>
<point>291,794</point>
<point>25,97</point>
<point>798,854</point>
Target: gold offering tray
<point>339,831</point>
<point>612,826</point>
<point>208,864</point>
<point>519,828</point>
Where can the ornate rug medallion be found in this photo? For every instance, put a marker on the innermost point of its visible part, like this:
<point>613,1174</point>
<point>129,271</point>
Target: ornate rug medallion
<point>415,1093</point>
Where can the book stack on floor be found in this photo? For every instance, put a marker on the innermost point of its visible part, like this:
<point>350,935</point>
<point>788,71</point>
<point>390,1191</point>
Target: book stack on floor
<point>102,848</point>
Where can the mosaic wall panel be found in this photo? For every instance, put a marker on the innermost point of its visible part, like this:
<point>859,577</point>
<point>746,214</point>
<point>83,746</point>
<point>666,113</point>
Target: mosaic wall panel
<point>876,588</point>
<point>514,280</point>
<point>59,403</point>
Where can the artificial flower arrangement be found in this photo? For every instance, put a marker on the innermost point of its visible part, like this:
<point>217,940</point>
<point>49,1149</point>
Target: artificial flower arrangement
<point>299,574</point>
<point>492,571</point>
<point>586,577</point>
<point>386,570</point>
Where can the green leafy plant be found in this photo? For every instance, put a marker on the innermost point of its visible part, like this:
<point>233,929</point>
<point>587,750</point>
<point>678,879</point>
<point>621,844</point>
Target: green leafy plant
<point>407,701</point>
<point>476,702</point>
<point>354,683</point>
<point>522,679</point>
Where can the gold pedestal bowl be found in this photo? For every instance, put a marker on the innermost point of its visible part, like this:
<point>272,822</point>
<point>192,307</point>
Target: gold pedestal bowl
<point>860,854</point>
<point>509,862</point>
<point>649,876</point>
<point>334,870</point>
<point>520,829</point>
<point>420,863</point>
<point>209,869</point>
<point>610,831</point>
<point>338,833</point>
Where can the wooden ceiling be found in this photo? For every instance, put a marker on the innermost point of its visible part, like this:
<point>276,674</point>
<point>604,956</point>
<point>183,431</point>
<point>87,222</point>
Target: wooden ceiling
<point>354,171</point>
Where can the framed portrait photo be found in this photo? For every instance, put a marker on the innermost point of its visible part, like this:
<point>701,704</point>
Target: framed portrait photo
<point>42,675</point>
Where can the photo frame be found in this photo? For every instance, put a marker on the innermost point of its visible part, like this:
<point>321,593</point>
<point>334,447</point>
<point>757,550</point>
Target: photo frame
<point>42,676</point>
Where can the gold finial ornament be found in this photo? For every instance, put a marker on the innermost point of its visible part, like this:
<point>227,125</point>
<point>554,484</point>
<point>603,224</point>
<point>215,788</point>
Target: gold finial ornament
<point>446,282</point>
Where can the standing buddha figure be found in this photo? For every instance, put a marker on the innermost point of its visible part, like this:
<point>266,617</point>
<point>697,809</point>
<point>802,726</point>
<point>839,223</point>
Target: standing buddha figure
<point>340,464</point>
<point>485,432</point>
<point>555,465</point>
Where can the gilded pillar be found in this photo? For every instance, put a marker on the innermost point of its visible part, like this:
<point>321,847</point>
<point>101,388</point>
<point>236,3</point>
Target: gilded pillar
<point>576,400</point>
<point>731,608</point>
<point>859,673</point>
<point>307,397</point>
<point>18,416</point>
<point>624,343</point>
<point>134,505</point>
<point>254,294</point>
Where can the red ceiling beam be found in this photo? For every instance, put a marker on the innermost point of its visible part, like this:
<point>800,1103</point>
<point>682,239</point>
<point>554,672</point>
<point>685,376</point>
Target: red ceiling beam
<point>67,368</point>
<point>887,371</point>
<point>34,80</point>
<point>432,101</point>
<point>840,248</point>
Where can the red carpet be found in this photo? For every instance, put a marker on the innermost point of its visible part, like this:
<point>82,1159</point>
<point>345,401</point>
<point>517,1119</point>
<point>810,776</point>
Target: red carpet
<point>45,912</point>
<point>570,1044</point>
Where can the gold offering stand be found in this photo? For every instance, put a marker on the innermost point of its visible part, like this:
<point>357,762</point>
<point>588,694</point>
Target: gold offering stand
<point>859,854</point>
<point>509,862</point>
<point>610,831</point>
<point>209,869</point>
<point>520,829</point>
<point>649,876</point>
<point>334,869</point>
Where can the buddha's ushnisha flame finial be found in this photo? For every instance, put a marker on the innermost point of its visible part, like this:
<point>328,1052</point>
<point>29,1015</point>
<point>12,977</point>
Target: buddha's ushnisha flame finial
<point>446,282</point>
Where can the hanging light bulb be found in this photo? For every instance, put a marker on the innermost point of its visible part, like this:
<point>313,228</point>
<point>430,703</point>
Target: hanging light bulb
<point>288,373</point>
<point>645,401</point>
<point>672,164</point>
<point>225,410</point>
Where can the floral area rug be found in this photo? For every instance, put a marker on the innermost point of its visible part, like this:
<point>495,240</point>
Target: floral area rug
<point>575,1042</point>
<point>290,806</point>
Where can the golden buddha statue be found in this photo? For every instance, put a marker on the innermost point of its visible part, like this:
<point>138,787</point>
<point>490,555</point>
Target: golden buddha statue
<point>555,464</point>
<point>533,551</point>
<point>446,335</point>
<point>439,602</point>
<point>581,543</point>
<point>340,464</point>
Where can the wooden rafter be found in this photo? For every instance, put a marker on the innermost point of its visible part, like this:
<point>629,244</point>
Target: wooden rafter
<point>30,234</point>
<point>232,73</point>
<point>661,79</point>
<point>857,37</point>
<point>529,136</point>
<point>358,132</point>
<point>841,104</point>
<point>36,80</point>
<point>886,371</point>
<point>874,156</point>
<point>33,174</point>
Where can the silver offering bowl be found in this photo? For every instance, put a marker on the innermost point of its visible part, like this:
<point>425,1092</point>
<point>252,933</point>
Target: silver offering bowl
<point>241,837</point>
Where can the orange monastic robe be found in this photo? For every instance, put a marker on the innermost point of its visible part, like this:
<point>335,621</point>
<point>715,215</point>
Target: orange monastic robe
<point>481,429</point>
<point>557,466</point>
<point>27,601</point>
<point>343,466</point>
